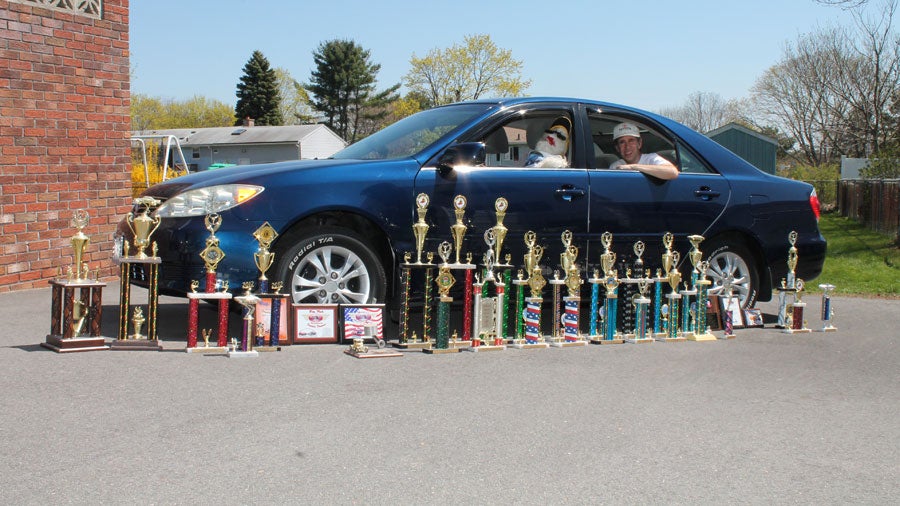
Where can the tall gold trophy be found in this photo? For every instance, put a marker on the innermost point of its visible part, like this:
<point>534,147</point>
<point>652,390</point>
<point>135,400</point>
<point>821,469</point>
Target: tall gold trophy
<point>72,317</point>
<point>610,334</point>
<point>273,300</point>
<point>142,226</point>
<point>408,338</point>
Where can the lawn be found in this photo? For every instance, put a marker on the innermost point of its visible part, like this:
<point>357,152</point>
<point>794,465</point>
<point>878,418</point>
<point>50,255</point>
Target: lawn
<point>859,261</point>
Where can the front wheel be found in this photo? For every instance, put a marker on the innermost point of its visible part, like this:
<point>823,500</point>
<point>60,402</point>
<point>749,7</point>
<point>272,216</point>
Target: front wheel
<point>733,263</point>
<point>332,266</point>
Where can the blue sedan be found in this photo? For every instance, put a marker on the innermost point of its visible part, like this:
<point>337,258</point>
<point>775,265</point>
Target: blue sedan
<point>345,223</point>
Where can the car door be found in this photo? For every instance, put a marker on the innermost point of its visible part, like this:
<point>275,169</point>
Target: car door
<point>547,201</point>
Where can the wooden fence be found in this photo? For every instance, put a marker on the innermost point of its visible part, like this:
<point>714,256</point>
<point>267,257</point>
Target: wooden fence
<point>874,203</point>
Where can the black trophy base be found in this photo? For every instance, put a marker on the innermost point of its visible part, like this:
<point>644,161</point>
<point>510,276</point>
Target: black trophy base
<point>418,345</point>
<point>135,345</point>
<point>440,351</point>
<point>263,349</point>
<point>74,344</point>
<point>382,353</point>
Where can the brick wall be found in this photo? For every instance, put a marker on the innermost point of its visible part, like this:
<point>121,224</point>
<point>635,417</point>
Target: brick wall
<point>64,130</point>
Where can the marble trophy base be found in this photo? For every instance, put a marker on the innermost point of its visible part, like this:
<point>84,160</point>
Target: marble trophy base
<point>600,340</point>
<point>664,339</point>
<point>795,331</point>
<point>459,343</point>
<point>725,337</point>
<point>827,329</point>
<point>242,354</point>
<point>701,337</point>
<point>208,350</point>
<point>568,344</point>
<point>631,338</point>
<point>523,345</point>
<point>418,345</point>
<point>379,353</point>
<point>135,345</point>
<point>74,344</point>
<point>485,347</point>
<point>441,351</point>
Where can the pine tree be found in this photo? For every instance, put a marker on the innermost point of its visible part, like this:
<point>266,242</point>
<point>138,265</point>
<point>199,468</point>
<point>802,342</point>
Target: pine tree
<point>257,93</point>
<point>343,84</point>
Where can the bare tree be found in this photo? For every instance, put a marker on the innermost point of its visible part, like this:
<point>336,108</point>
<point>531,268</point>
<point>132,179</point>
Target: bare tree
<point>704,111</point>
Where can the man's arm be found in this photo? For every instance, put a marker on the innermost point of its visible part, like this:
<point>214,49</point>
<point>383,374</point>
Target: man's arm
<point>664,171</point>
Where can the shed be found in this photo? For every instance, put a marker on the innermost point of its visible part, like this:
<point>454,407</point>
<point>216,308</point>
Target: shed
<point>758,149</point>
<point>245,145</point>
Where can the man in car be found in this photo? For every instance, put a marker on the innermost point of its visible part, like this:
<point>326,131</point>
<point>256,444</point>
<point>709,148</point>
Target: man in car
<point>627,138</point>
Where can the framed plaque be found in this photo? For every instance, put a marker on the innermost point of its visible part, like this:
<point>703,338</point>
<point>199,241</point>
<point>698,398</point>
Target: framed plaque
<point>753,318</point>
<point>315,323</point>
<point>362,320</point>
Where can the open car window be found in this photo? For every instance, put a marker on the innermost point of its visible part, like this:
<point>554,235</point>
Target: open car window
<point>509,144</point>
<point>605,152</point>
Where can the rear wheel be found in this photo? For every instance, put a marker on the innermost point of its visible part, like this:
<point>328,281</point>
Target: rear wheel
<point>332,266</point>
<point>733,263</point>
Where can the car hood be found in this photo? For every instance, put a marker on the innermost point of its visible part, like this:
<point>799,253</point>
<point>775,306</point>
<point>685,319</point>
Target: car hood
<point>254,174</point>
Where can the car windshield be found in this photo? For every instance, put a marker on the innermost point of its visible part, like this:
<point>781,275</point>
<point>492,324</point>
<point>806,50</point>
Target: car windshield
<point>412,134</point>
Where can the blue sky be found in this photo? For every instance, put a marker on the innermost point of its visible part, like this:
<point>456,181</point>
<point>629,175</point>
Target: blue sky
<point>648,54</point>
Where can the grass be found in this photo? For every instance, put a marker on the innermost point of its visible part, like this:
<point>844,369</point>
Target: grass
<point>859,261</point>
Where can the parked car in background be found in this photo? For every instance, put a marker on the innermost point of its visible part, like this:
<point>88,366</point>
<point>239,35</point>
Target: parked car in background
<point>344,223</point>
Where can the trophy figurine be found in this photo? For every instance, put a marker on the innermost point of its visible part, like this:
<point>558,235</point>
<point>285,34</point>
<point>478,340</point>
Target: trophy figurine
<point>500,230</point>
<point>420,227</point>
<point>264,258</point>
<point>79,241</point>
<point>458,231</point>
<point>137,320</point>
<point>827,309</point>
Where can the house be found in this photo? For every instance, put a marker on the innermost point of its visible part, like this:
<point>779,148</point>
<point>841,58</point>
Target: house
<point>244,145</point>
<point>757,149</point>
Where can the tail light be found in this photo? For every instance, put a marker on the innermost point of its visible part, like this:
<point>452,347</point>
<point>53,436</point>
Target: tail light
<point>814,204</point>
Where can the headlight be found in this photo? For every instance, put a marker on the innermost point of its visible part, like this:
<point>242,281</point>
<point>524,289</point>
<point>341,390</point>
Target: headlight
<point>213,199</point>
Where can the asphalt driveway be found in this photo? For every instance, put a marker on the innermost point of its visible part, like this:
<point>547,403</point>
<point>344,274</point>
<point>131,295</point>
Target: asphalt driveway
<point>763,418</point>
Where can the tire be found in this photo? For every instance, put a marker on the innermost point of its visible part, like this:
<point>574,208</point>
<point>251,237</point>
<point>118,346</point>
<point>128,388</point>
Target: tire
<point>332,266</point>
<point>736,261</point>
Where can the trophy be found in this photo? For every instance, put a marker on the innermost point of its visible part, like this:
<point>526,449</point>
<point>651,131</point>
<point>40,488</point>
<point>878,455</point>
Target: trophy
<point>789,283</point>
<point>458,231</point>
<point>211,255</point>
<point>641,304</point>
<point>611,283</point>
<point>488,328</point>
<point>420,228</point>
<point>725,302</point>
<point>264,258</point>
<point>595,282</point>
<point>536,283</point>
<point>674,300</point>
<point>572,301</point>
<point>142,227</point>
<point>701,329</point>
<point>249,301</point>
<point>275,301</point>
<point>71,315</point>
<point>444,282</point>
<point>827,309</point>
<point>500,230</point>
<point>795,320</point>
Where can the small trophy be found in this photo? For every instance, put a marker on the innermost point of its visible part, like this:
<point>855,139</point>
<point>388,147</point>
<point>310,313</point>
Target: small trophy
<point>249,301</point>
<point>702,331</point>
<point>458,231</point>
<point>827,308</point>
<point>796,324</point>
<point>641,304</point>
<point>571,318</point>
<point>674,300</point>
<point>611,283</point>
<point>73,315</point>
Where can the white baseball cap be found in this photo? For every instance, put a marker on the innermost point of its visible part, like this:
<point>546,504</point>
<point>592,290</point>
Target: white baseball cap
<point>626,129</point>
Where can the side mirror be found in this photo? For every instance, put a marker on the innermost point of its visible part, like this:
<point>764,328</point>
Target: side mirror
<point>470,154</point>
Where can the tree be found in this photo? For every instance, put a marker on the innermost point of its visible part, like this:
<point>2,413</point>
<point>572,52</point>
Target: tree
<point>704,111</point>
<point>343,87</point>
<point>466,71</point>
<point>257,93</point>
<point>295,106</point>
<point>151,113</point>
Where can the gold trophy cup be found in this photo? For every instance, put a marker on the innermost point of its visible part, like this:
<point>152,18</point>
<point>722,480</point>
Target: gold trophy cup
<point>143,226</point>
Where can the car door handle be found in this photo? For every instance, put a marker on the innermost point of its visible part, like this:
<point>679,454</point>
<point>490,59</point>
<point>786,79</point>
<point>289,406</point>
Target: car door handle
<point>569,193</point>
<point>706,193</point>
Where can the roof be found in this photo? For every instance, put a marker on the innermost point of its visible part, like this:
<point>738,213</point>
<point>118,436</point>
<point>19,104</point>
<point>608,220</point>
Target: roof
<point>735,126</point>
<point>288,134</point>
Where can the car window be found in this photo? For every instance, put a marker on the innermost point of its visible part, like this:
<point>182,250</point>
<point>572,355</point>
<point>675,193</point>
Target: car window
<point>509,144</point>
<point>605,152</point>
<point>690,163</point>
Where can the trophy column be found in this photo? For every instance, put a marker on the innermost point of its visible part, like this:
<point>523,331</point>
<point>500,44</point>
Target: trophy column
<point>75,323</point>
<point>827,309</point>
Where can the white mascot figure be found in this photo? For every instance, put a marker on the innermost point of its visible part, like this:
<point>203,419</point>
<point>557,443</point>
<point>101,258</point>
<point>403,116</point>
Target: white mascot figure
<point>550,150</point>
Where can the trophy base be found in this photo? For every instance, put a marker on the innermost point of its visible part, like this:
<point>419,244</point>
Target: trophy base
<point>607,341</point>
<point>373,353</point>
<point>135,345</point>
<point>671,339</point>
<point>725,337</point>
<point>642,340</point>
<point>827,329</point>
<point>460,267</point>
<point>701,337</point>
<point>485,347</point>
<point>796,331</point>
<point>208,350</point>
<point>74,344</point>
<point>264,349</point>
<point>242,354</point>
<point>568,344</point>
<point>418,345</point>
<point>440,351</point>
<point>459,343</point>
<point>529,346</point>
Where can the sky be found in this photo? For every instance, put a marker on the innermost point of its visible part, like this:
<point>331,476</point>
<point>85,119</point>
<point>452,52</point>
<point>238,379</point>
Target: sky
<point>646,54</point>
